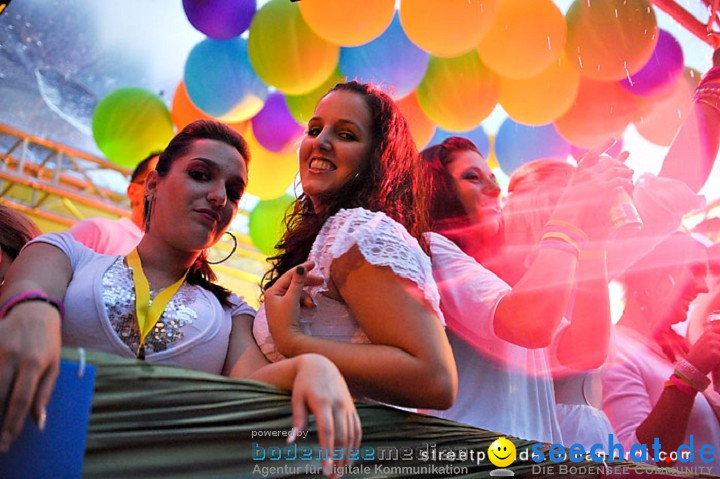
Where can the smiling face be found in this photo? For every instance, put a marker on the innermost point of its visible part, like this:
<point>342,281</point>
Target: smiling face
<point>195,201</point>
<point>477,189</point>
<point>337,143</point>
<point>502,452</point>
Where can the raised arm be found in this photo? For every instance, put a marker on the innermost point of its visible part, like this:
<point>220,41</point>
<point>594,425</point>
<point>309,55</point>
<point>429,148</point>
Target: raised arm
<point>409,362</point>
<point>30,332</point>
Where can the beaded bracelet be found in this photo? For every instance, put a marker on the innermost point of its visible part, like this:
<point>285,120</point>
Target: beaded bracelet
<point>563,226</point>
<point>680,385</point>
<point>34,295</point>
<point>554,241</point>
<point>691,375</point>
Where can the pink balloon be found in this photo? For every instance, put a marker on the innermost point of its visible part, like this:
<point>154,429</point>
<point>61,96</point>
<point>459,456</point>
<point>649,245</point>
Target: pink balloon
<point>660,72</point>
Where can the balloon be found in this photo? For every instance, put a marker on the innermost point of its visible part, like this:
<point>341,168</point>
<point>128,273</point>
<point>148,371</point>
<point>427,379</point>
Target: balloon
<point>541,99</point>
<point>525,38</point>
<point>458,93</point>
<point>183,111</point>
<point>220,19</point>
<point>610,39</point>
<point>266,223</point>
<point>129,124</point>
<point>477,136</point>
<point>491,158</point>
<point>390,61</point>
<point>421,128</point>
<point>269,174</point>
<point>447,28</point>
<point>221,82</point>
<point>332,21</point>
<point>275,128</point>
<point>601,110</point>
<point>661,72</point>
<point>286,53</point>
<point>302,107</point>
<point>516,144</point>
<point>660,124</point>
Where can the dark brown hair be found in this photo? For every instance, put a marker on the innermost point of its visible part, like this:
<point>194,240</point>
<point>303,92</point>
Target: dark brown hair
<point>200,272</point>
<point>389,182</point>
<point>15,230</point>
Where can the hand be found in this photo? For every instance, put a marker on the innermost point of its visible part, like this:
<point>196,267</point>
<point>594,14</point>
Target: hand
<point>705,353</point>
<point>320,387</point>
<point>30,359</point>
<point>588,196</point>
<point>282,305</point>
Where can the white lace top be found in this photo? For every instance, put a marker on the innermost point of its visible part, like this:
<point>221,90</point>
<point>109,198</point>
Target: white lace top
<point>382,242</point>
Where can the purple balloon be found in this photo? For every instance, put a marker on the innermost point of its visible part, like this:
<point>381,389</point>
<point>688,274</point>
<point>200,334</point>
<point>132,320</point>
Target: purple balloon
<point>274,126</point>
<point>660,72</point>
<point>220,19</point>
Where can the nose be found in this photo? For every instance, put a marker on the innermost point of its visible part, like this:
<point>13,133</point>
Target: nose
<point>217,195</point>
<point>490,188</point>
<point>322,141</point>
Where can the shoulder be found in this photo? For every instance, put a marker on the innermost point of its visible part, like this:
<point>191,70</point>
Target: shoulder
<point>66,242</point>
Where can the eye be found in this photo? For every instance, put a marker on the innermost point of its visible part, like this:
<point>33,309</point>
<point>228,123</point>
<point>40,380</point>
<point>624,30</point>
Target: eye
<point>198,175</point>
<point>346,135</point>
<point>313,131</point>
<point>471,176</point>
<point>234,194</point>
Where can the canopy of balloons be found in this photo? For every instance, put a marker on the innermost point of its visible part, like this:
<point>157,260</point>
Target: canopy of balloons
<point>566,82</point>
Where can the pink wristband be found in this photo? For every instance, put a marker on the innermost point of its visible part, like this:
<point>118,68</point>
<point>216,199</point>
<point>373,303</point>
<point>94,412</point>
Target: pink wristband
<point>33,295</point>
<point>681,385</point>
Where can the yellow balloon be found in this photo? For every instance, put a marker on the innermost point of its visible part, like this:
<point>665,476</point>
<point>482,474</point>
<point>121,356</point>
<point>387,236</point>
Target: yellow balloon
<point>525,38</point>
<point>541,99</point>
<point>302,107</point>
<point>446,28</point>
<point>348,22</point>
<point>458,93</point>
<point>270,174</point>
<point>286,53</point>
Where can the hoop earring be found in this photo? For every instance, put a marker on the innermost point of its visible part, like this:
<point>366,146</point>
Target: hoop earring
<point>231,252</point>
<point>147,207</point>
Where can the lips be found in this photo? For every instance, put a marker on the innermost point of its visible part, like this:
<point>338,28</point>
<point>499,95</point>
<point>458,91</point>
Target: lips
<point>319,165</point>
<point>209,214</point>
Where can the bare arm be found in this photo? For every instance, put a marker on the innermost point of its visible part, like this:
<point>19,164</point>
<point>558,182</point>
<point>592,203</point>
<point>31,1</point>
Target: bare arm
<point>584,343</point>
<point>409,362</point>
<point>30,348</point>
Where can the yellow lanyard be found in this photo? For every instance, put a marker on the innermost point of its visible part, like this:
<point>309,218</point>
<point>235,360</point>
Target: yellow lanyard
<point>148,316</point>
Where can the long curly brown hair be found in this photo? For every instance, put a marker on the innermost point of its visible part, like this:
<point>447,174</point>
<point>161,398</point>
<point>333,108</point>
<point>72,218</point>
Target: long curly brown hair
<point>389,181</point>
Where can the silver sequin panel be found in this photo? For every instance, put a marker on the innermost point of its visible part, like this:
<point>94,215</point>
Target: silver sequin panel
<point>119,299</point>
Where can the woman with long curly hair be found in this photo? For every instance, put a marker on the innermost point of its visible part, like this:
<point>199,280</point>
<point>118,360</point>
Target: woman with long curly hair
<point>359,223</point>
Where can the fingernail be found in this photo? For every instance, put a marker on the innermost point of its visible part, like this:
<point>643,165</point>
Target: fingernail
<point>42,420</point>
<point>327,467</point>
<point>292,436</point>
<point>300,270</point>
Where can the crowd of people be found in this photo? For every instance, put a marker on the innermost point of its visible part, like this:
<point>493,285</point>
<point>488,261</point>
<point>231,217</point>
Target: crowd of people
<point>402,279</point>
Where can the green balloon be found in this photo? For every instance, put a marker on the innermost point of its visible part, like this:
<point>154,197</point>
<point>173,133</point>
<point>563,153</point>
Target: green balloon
<point>302,107</point>
<point>266,223</point>
<point>129,124</point>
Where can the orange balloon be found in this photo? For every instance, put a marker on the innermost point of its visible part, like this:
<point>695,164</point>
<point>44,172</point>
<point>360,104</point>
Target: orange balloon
<point>541,99</point>
<point>525,38</point>
<point>350,22</point>
<point>610,39</point>
<point>601,110</point>
<point>421,127</point>
<point>458,93</point>
<point>183,111</point>
<point>665,117</point>
<point>269,174</point>
<point>446,28</point>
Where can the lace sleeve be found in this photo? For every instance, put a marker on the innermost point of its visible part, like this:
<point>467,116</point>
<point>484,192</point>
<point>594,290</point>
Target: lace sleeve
<point>382,242</point>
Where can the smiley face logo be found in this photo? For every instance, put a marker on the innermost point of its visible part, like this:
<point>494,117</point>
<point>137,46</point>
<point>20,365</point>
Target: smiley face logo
<point>502,452</point>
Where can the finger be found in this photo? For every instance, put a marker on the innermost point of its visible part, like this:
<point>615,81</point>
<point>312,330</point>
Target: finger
<point>623,156</point>
<point>593,155</point>
<point>295,289</point>
<point>306,300</point>
<point>326,435</point>
<point>299,415</point>
<point>44,392</point>
<point>18,407</point>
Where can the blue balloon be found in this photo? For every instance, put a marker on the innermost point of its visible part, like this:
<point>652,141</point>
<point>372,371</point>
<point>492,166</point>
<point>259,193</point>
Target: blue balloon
<point>516,144</point>
<point>391,61</point>
<point>477,136</point>
<point>221,82</point>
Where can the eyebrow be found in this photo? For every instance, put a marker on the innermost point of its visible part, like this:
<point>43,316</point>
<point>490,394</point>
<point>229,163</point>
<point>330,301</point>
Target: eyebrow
<point>211,164</point>
<point>341,120</point>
